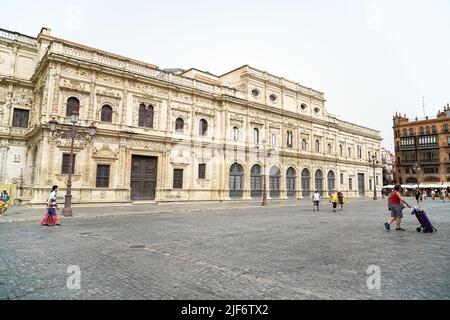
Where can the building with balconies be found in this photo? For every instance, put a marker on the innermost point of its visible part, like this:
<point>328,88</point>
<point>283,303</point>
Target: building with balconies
<point>422,148</point>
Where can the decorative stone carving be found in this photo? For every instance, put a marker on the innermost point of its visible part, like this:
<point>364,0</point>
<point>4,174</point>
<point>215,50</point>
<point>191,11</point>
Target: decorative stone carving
<point>104,153</point>
<point>75,85</point>
<point>64,177</point>
<point>108,92</point>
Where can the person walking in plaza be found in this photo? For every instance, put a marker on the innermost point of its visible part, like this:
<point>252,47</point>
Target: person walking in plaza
<point>443,194</point>
<point>433,194</point>
<point>334,200</point>
<point>424,195</point>
<point>417,196</point>
<point>51,217</point>
<point>316,200</point>
<point>396,204</point>
<point>448,193</point>
<point>4,201</point>
<point>341,200</point>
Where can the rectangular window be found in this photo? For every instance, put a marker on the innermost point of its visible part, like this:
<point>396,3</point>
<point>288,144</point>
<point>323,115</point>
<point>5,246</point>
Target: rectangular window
<point>102,180</point>
<point>370,184</point>
<point>202,171</point>
<point>431,170</point>
<point>342,178</point>
<point>350,184</point>
<point>178,178</point>
<point>66,164</point>
<point>448,169</point>
<point>20,118</point>
<point>448,141</point>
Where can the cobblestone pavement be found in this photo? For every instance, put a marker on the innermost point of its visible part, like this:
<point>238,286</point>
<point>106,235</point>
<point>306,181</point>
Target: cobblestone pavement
<point>257,253</point>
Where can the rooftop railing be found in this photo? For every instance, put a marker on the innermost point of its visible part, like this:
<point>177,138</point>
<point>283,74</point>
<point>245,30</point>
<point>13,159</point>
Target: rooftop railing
<point>14,36</point>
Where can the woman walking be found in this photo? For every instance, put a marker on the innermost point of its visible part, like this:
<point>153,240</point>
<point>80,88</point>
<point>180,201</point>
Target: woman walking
<point>4,201</point>
<point>316,200</point>
<point>396,204</point>
<point>51,217</point>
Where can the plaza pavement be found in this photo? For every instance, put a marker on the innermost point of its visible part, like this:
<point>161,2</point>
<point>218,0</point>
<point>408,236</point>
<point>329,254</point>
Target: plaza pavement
<point>226,251</point>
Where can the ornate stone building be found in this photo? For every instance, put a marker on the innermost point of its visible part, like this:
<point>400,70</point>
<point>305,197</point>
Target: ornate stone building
<point>168,135</point>
<point>424,143</point>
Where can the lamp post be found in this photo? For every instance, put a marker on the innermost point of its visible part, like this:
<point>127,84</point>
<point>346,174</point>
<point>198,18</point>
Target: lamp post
<point>71,134</point>
<point>267,153</point>
<point>374,163</point>
<point>416,168</point>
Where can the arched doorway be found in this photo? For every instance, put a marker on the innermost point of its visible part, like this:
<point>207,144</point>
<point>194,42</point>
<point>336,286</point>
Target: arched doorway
<point>274,182</point>
<point>290,182</point>
<point>306,179</point>
<point>319,181</point>
<point>331,181</point>
<point>256,181</point>
<point>236,181</point>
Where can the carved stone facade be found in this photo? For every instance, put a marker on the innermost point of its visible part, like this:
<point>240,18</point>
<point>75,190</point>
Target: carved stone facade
<point>205,140</point>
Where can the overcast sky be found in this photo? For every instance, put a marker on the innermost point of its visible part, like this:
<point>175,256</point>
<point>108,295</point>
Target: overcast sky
<point>370,57</point>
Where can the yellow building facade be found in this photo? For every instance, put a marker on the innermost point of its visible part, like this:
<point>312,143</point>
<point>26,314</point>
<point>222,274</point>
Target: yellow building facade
<point>168,135</point>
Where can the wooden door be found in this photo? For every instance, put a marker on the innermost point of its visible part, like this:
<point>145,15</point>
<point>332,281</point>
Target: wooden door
<point>143,177</point>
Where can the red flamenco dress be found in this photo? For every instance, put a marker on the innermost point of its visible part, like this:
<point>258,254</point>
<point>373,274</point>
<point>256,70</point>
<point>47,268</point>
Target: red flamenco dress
<point>50,219</point>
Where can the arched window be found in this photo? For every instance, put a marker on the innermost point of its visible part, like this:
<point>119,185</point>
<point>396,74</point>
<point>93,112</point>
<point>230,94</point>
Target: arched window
<point>411,131</point>
<point>349,152</point>
<point>445,127</point>
<point>368,156</point>
<point>421,130</point>
<point>256,181</point>
<point>256,135</point>
<point>289,139</point>
<point>145,116</point>
<point>433,129</point>
<point>317,146</point>
<point>306,178</point>
<point>274,182</point>
<point>303,144</point>
<point>427,129</point>
<point>203,127</point>
<point>341,151</point>
<point>235,133</point>
<point>331,181</point>
<point>329,149</point>
<point>179,125</point>
<point>319,181</point>
<point>106,114</point>
<point>404,132</point>
<point>359,152</point>
<point>73,104</point>
<point>236,181</point>
<point>290,182</point>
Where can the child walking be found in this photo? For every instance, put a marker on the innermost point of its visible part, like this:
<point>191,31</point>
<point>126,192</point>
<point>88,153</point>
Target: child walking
<point>334,200</point>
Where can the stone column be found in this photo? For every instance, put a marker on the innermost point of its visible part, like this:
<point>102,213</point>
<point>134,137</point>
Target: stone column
<point>3,159</point>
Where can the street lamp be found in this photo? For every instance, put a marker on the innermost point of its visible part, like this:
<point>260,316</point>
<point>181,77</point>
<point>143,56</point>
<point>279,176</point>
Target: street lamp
<point>374,162</point>
<point>416,168</point>
<point>267,152</point>
<point>71,134</point>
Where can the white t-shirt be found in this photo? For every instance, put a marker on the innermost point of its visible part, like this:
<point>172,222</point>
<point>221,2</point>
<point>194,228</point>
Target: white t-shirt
<point>316,196</point>
<point>52,198</point>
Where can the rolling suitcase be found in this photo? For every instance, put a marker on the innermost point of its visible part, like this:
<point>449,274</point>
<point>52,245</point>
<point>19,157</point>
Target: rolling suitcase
<point>425,224</point>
